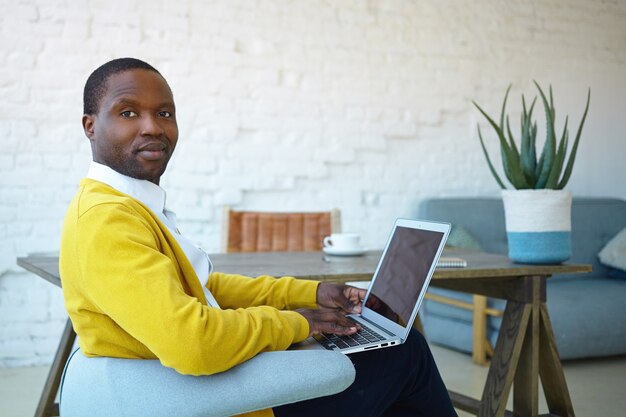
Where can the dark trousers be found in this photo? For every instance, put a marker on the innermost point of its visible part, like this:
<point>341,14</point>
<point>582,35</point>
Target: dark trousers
<point>396,381</point>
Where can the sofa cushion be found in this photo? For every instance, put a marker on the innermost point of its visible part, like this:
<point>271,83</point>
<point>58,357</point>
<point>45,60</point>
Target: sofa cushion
<point>594,222</point>
<point>613,254</point>
<point>460,237</point>
<point>587,316</point>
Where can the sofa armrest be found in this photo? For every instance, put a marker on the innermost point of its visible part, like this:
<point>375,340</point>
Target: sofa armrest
<point>134,387</point>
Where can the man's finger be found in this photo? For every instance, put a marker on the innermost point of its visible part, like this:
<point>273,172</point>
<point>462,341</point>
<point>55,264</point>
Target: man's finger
<point>336,328</point>
<point>347,305</point>
<point>354,298</point>
<point>360,292</point>
<point>342,321</point>
<point>354,293</point>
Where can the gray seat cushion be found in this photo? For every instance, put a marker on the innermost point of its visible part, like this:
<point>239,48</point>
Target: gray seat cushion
<point>101,387</point>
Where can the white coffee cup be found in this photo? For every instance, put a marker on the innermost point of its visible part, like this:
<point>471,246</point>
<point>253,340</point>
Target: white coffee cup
<point>342,241</point>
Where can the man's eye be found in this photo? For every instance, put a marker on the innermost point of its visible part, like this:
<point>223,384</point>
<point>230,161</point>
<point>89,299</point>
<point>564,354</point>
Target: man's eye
<point>165,114</point>
<point>129,113</point>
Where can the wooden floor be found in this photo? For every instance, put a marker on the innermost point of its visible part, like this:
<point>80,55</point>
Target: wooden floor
<point>597,386</point>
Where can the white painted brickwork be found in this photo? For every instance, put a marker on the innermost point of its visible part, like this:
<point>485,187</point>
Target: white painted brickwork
<point>291,105</point>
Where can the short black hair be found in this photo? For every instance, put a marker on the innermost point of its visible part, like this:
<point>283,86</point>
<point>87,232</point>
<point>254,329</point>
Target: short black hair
<point>96,85</point>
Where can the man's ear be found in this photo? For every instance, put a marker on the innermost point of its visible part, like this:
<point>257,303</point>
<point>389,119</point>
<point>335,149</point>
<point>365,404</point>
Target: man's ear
<point>89,125</point>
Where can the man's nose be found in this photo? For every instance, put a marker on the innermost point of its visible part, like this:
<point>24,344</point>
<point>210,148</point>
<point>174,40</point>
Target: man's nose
<point>151,126</point>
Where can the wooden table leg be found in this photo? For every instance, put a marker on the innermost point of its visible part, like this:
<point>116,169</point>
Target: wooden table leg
<point>47,407</point>
<point>526,382</point>
<point>505,359</point>
<point>551,371</point>
<point>526,350</point>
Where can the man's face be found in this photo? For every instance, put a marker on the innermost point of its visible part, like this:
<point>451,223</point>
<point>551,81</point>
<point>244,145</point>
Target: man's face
<point>134,131</point>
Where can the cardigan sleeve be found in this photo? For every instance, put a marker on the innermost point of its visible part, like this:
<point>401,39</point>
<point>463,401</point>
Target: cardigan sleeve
<point>286,293</point>
<point>127,277</point>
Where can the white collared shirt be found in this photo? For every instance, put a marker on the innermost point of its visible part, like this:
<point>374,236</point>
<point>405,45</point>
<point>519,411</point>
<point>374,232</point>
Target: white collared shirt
<point>153,196</point>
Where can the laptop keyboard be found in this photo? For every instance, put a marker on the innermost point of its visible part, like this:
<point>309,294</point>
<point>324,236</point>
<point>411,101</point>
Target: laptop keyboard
<point>363,337</point>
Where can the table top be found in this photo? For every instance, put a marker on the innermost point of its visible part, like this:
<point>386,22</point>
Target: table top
<point>322,267</point>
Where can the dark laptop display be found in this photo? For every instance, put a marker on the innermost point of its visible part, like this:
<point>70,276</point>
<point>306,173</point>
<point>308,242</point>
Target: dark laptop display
<point>403,272</point>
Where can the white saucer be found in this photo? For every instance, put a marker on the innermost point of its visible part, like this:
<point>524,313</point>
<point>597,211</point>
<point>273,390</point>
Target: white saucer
<point>343,252</point>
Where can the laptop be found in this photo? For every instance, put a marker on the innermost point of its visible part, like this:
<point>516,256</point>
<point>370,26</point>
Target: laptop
<point>396,290</point>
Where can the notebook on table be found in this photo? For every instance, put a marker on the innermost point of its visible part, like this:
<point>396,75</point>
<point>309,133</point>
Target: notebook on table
<point>451,262</point>
<point>396,290</point>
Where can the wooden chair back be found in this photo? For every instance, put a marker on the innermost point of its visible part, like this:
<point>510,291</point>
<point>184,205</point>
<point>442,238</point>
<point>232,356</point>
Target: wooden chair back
<point>255,231</point>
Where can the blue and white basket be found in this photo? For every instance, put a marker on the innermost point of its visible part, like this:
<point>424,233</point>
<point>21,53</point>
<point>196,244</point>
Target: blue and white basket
<point>538,225</point>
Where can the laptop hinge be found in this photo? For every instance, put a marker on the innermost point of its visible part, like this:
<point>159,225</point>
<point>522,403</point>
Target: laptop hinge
<point>377,326</point>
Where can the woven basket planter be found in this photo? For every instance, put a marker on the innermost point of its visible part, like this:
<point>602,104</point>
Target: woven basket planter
<point>538,225</point>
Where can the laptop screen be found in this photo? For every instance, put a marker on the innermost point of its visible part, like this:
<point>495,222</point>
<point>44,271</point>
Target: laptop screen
<point>403,272</point>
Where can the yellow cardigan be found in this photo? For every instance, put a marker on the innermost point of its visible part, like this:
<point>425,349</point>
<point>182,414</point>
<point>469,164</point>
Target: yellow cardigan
<point>131,292</point>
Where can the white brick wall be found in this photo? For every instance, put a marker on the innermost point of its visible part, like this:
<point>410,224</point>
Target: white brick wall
<point>292,105</point>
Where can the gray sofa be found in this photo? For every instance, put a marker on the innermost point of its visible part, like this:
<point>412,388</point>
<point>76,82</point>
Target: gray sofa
<point>587,310</point>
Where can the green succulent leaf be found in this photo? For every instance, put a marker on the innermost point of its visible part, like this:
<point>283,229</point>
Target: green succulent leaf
<point>511,164</point>
<point>572,156</point>
<point>506,95</point>
<point>491,168</point>
<point>511,139</point>
<point>551,104</point>
<point>533,139</point>
<point>527,153</point>
<point>532,106</point>
<point>549,148</point>
<point>506,153</point>
<point>555,172</point>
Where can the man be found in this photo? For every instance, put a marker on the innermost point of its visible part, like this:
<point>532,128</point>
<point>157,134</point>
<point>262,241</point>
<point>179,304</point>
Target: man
<point>134,287</point>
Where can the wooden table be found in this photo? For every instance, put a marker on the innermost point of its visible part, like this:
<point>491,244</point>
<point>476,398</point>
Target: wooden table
<point>525,350</point>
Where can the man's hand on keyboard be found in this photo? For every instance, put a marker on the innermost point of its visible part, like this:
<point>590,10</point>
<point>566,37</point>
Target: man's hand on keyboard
<point>344,298</point>
<point>325,320</point>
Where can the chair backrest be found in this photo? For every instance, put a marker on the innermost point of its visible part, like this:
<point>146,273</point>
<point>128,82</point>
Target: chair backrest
<point>255,231</point>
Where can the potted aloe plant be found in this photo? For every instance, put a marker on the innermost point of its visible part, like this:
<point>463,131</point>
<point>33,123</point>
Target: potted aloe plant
<point>537,210</point>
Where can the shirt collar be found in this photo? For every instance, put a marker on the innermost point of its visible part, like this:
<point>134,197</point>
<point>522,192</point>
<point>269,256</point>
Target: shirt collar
<point>145,191</point>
